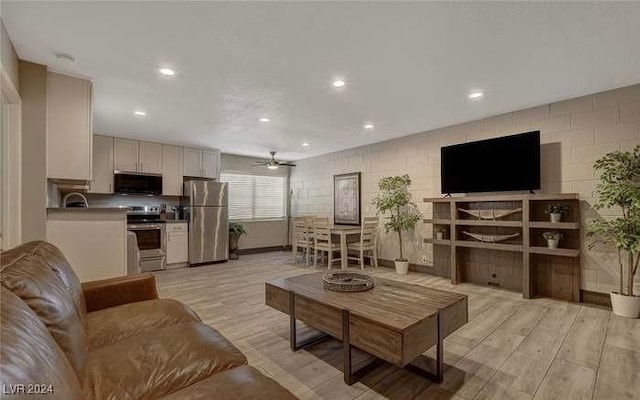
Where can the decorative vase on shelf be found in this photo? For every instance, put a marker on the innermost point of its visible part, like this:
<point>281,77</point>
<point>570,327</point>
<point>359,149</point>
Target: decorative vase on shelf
<point>552,238</point>
<point>553,243</point>
<point>439,235</point>
<point>555,217</point>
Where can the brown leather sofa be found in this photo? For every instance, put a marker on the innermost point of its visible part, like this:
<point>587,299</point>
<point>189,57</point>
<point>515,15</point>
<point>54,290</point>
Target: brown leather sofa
<point>110,339</point>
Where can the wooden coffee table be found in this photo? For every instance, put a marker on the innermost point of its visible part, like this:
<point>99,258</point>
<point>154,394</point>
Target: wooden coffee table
<point>395,322</point>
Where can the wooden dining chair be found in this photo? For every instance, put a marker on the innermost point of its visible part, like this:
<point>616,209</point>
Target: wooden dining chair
<point>322,241</point>
<point>368,242</point>
<point>301,239</point>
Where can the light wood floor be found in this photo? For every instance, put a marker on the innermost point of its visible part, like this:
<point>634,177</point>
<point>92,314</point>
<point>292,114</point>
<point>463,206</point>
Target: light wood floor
<point>510,349</point>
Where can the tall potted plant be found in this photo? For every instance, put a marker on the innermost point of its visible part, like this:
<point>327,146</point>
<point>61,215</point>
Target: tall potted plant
<point>394,200</point>
<point>235,231</point>
<point>619,187</point>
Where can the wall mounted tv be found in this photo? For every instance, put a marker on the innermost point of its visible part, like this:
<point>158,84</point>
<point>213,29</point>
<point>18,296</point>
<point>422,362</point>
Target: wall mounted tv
<point>493,165</point>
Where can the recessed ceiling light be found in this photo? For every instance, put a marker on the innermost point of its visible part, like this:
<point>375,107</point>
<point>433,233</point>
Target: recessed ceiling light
<point>476,95</point>
<point>338,84</point>
<point>368,126</point>
<point>167,72</point>
<point>140,113</point>
<point>263,119</point>
<point>305,144</point>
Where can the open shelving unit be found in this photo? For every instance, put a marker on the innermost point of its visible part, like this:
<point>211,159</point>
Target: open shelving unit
<point>523,263</point>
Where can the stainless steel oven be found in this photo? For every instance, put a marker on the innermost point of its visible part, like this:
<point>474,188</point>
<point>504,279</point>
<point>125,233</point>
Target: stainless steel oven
<point>151,236</point>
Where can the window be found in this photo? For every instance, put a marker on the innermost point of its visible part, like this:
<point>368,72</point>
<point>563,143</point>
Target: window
<point>256,196</point>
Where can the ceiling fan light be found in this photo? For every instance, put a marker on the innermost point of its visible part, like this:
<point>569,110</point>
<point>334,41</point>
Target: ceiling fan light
<point>272,166</point>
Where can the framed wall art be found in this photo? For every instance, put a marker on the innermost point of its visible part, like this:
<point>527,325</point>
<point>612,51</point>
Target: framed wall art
<point>346,199</point>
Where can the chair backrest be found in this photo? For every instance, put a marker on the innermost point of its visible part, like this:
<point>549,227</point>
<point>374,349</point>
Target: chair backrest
<point>300,228</point>
<point>369,230</point>
<point>321,229</point>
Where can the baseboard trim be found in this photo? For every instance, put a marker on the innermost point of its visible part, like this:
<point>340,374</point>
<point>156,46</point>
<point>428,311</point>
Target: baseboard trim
<point>257,250</point>
<point>419,268</point>
<point>595,298</point>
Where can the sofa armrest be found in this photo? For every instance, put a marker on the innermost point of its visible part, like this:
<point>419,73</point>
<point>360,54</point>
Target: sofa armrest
<point>113,292</point>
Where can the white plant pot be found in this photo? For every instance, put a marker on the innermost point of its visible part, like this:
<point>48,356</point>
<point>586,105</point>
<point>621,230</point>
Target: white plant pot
<point>439,235</point>
<point>555,217</point>
<point>402,267</point>
<point>553,243</point>
<point>625,306</point>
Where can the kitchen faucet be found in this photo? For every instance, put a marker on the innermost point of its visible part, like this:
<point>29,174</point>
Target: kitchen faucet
<point>66,197</point>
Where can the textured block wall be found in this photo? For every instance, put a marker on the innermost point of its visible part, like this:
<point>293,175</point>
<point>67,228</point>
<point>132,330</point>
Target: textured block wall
<point>574,133</point>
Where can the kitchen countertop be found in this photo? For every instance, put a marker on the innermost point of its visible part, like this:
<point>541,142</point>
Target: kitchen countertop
<point>86,209</point>
<point>177,221</point>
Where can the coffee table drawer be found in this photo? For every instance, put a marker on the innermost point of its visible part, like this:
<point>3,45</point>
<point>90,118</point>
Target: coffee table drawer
<point>277,298</point>
<point>319,316</point>
<point>375,339</point>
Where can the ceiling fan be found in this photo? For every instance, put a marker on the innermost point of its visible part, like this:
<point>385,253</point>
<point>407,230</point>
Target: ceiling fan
<point>273,163</point>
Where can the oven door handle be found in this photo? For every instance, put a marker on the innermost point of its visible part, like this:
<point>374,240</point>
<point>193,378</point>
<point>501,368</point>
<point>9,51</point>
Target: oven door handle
<point>144,227</point>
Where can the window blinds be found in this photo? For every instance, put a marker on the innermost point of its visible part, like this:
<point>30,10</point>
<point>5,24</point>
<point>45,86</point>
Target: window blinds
<point>255,196</point>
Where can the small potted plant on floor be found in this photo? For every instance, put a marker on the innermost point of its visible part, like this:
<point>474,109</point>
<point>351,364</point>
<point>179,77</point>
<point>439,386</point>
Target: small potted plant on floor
<point>235,231</point>
<point>552,238</point>
<point>555,212</point>
<point>439,232</point>
<point>394,200</point>
<point>619,188</point>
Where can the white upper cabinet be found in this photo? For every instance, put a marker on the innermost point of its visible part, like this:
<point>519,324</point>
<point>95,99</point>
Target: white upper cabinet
<point>210,164</point>
<point>192,162</point>
<point>171,170</point>
<point>201,163</point>
<point>150,158</point>
<point>69,132</point>
<point>125,155</point>
<point>102,165</point>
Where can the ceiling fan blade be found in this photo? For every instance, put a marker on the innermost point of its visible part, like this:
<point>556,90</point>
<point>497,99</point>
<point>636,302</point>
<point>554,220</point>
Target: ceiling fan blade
<point>287,164</point>
<point>259,164</point>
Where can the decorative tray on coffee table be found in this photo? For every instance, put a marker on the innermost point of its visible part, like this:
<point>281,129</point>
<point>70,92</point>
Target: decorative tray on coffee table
<point>347,281</point>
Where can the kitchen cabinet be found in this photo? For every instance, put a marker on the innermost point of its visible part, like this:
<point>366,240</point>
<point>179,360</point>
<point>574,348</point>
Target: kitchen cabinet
<point>102,165</point>
<point>177,243</point>
<point>69,131</point>
<point>210,161</point>
<point>150,160</point>
<point>201,163</point>
<point>172,170</point>
<point>192,162</point>
<point>125,155</point>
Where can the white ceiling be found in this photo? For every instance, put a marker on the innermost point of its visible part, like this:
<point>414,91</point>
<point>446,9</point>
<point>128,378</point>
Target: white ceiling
<point>408,66</point>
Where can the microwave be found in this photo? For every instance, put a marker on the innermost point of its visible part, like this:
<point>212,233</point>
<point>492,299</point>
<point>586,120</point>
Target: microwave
<point>145,184</point>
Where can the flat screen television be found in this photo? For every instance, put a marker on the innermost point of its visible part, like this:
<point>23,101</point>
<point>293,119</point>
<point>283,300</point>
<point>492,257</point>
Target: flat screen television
<point>494,165</point>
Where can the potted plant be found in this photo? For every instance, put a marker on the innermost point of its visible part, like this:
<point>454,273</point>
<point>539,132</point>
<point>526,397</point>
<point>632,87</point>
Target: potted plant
<point>439,232</point>
<point>235,231</point>
<point>619,188</point>
<point>552,238</point>
<point>394,200</point>
<point>555,212</point>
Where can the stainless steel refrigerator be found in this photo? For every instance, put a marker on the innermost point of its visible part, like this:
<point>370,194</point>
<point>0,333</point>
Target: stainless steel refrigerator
<point>208,221</point>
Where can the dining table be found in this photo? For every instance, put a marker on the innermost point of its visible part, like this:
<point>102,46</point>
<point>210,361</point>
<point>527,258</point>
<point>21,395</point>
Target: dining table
<point>343,231</point>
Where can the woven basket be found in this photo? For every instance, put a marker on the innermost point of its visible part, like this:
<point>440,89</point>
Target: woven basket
<point>347,281</point>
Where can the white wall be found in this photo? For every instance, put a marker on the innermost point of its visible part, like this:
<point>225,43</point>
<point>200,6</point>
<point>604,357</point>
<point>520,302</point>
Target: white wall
<point>574,134</point>
<point>33,91</point>
<point>8,57</point>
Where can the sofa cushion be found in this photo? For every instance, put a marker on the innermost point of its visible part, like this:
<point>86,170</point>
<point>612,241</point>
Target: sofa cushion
<point>116,323</point>
<point>158,362</point>
<point>240,383</point>
<point>30,355</point>
<point>38,273</point>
